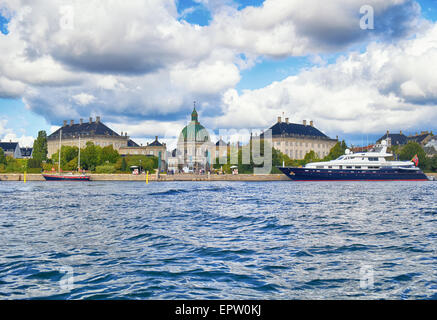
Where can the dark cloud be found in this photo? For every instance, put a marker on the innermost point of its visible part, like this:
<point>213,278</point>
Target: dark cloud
<point>335,33</point>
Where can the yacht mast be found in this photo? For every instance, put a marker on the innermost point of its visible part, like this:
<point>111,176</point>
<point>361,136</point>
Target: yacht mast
<point>60,147</point>
<point>78,162</point>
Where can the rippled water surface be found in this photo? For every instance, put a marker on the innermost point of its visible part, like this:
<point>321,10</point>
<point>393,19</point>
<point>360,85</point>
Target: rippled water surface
<point>218,240</point>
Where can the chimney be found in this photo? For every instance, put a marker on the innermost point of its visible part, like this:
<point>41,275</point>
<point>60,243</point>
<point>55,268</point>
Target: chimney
<point>279,119</point>
<point>125,134</point>
<point>304,122</point>
<point>71,122</point>
<point>65,123</point>
<point>97,119</point>
<point>91,120</point>
<point>286,120</point>
<point>312,123</point>
<point>81,121</point>
<point>388,133</point>
<point>400,132</point>
<point>156,138</point>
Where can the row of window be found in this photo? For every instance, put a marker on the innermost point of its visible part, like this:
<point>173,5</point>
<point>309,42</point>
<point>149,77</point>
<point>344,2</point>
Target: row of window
<point>301,144</point>
<point>296,154</point>
<point>347,167</point>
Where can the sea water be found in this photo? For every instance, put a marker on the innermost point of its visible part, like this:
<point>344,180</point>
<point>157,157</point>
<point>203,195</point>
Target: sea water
<point>218,240</point>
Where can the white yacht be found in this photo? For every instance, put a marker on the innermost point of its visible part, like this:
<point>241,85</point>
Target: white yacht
<point>371,165</point>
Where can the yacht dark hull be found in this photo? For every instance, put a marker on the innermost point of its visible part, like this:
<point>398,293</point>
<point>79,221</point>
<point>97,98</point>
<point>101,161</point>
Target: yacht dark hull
<point>383,174</point>
<point>55,177</point>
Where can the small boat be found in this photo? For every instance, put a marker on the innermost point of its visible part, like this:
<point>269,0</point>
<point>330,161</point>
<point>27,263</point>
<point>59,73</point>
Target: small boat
<point>362,166</point>
<point>58,176</point>
<point>66,177</point>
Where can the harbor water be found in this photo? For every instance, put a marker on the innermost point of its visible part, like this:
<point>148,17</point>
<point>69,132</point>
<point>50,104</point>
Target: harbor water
<point>218,240</point>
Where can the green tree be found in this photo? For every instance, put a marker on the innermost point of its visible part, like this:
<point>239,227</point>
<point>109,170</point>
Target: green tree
<point>108,154</point>
<point>2,157</point>
<point>90,156</point>
<point>40,147</point>
<point>336,151</point>
<point>34,164</point>
<point>67,155</point>
<point>147,163</point>
<point>311,157</point>
<point>124,165</point>
<point>410,150</point>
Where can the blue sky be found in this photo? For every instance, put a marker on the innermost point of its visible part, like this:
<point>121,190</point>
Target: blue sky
<point>265,71</point>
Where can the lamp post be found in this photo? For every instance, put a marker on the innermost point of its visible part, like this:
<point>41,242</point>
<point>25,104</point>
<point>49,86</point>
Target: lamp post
<point>141,168</point>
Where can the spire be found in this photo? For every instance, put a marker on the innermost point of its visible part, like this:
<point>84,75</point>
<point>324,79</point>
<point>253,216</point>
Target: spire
<point>194,115</point>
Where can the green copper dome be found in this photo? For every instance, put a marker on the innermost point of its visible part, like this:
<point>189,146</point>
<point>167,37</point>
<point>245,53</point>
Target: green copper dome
<point>194,131</point>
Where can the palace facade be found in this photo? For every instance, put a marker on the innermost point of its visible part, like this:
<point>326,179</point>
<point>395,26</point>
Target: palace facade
<point>296,140</point>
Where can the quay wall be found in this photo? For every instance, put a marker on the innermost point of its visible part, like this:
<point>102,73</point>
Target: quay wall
<point>153,177</point>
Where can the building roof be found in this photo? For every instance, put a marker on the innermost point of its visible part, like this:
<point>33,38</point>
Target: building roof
<point>26,152</point>
<point>420,137</point>
<point>221,143</point>
<point>9,146</point>
<point>132,143</point>
<point>286,128</point>
<point>84,129</point>
<point>396,138</point>
<point>155,143</point>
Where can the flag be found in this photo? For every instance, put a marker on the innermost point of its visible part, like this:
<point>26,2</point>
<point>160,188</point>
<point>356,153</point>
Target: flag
<point>415,160</point>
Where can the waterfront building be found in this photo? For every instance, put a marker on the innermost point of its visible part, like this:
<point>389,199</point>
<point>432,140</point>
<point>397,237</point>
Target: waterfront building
<point>394,139</point>
<point>92,131</point>
<point>11,149</point>
<point>155,148</point>
<point>399,139</point>
<point>296,140</point>
<point>423,138</point>
<point>195,150</point>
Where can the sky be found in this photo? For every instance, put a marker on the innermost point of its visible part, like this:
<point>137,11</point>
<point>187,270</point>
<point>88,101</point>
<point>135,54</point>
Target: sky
<point>140,65</point>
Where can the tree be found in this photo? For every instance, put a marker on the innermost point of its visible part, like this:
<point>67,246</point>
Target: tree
<point>123,165</point>
<point>67,155</point>
<point>2,157</point>
<point>336,151</point>
<point>90,156</point>
<point>410,150</point>
<point>109,154</point>
<point>40,147</point>
<point>310,157</point>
